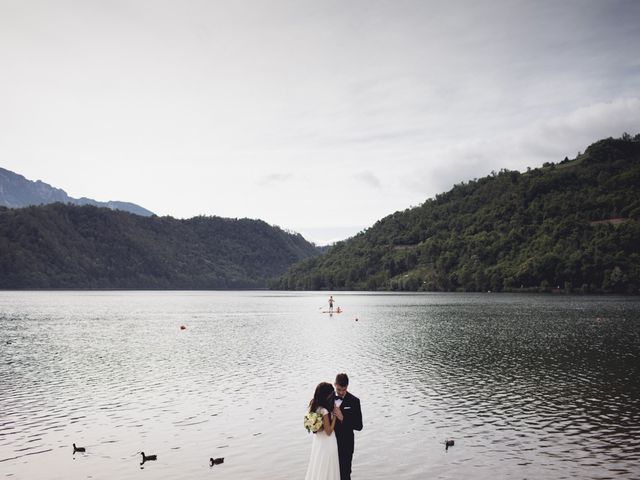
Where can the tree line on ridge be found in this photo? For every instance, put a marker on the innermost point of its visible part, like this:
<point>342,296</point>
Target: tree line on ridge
<point>571,226</point>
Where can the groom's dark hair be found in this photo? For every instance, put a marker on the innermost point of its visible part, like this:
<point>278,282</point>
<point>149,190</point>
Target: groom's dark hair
<point>342,379</point>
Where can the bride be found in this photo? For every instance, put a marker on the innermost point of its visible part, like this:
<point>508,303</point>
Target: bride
<point>324,464</point>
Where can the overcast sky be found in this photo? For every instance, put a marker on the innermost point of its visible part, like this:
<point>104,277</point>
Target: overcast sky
<point>318,116</point>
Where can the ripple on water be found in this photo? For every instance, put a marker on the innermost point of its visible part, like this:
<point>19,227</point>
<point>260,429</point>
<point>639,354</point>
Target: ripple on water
<point>530,387</point>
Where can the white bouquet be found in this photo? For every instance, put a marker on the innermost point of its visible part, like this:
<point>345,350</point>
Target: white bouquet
<point>313,422</point>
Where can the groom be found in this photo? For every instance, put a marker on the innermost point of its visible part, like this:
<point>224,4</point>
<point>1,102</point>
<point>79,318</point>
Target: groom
<point>347,410</point>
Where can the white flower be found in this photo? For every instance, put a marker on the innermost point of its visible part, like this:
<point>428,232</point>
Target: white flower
<point>313,422</point>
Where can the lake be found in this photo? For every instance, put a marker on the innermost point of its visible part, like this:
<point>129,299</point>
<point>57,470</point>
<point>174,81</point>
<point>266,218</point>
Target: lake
<point>528,386</point>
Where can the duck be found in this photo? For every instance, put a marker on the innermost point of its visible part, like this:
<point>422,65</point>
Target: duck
<point>78,449</point>
<point>146,458</point>
<point>216,461</point>
<point>448,443</point>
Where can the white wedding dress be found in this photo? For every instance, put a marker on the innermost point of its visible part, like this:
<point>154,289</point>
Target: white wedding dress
<point>323,464</point>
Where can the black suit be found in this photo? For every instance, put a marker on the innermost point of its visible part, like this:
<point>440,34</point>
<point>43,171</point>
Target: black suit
<point>352,420</point>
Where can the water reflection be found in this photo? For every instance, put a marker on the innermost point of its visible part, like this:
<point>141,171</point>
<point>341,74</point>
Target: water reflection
<point>526,386</point>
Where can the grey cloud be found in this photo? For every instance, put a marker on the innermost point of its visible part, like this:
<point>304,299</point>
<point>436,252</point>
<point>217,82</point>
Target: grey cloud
<point>274,179</point>
<point>369,179</point>
<point>544,141</point>
<point>408,96</point>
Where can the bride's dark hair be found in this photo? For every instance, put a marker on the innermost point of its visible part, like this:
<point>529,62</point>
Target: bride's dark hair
<point>323,397</point>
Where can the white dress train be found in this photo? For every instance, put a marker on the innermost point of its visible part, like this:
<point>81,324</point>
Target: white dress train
<point>324,463</point>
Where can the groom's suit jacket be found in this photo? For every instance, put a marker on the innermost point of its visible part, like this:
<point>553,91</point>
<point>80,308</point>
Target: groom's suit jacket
<point>352,420</point>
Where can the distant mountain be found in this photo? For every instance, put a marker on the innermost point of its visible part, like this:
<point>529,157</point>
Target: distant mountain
<point>16,192</point>
<point>570,226</point>
<point>85,247</point>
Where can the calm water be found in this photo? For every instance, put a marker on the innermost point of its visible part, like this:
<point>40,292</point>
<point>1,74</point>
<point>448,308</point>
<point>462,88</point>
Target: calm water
<point>528,386</point>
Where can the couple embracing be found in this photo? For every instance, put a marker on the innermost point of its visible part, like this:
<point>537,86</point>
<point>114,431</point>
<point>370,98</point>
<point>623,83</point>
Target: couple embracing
<point>333,442</point>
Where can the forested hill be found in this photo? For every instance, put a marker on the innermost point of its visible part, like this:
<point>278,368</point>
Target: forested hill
<point>84,247</point>
<point>571,226</point>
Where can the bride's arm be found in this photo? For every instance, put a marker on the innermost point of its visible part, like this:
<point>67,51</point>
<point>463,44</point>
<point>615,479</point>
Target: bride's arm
<point>327,425</point>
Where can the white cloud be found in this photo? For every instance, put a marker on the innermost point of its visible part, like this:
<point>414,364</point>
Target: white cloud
<point>332,114</point>
<point>543,141</point>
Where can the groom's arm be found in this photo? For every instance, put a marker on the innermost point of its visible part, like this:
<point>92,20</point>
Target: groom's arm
<point>356,423</point>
